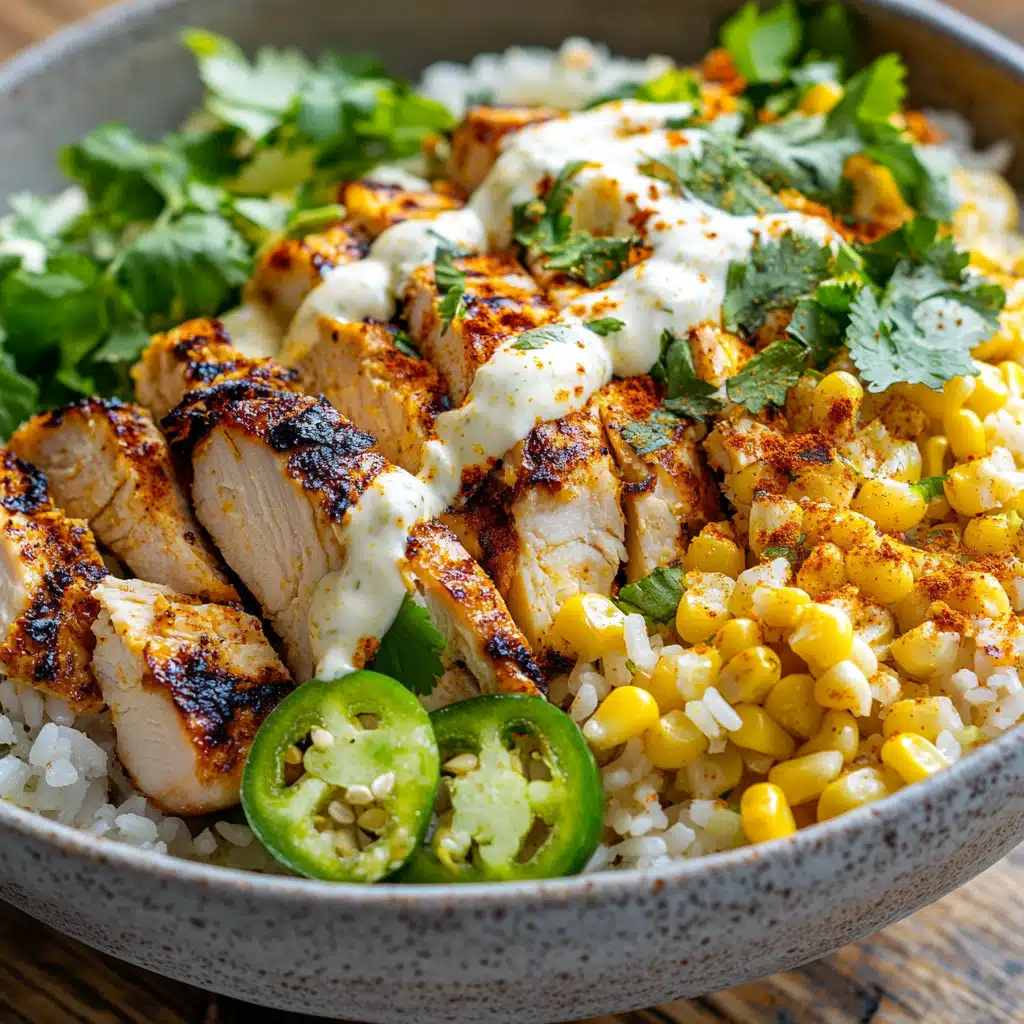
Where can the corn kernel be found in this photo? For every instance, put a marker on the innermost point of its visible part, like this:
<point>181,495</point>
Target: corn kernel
<point>626,712</point>
<point>709,553</point>
<point>832,482</point>
<point>1013,376</point>
<point>881,573</point>
<point>886,686</point>
<point>966,434</point>
<point>773,519</point>
<point>843,527</point>
<point>864,657</point>
<point>823,636</point>
<point>779,607</point>
<point>685,676</point>
<point>748,676</point>
<point>850,792</point>
<point>735,636</point>
<point>791,703</point>
<point>704,605</point>
<point>805,778</point>
<point>991,535</point>
<point>990,391</point>
<point>820,98</point>
<point>711,775</point>
<point>824,569</point>
<point>589,626</point>
<point>912,757</point>
<point>765,813</point>
<point>838,731</point>
<point>760,733</point>
<point>673,742</point>
<point>836,402</point>
<point>955,393</point>
<point>774,573</point>
<point>934,456</point>
<point>926,716</point>
<point>925,651</point>
<point>893,505</point>
<point>984,596</point>
<point>964,489</point>
<point>845,688</point>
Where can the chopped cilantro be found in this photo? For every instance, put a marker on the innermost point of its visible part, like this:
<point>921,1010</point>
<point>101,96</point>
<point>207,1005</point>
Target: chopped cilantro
<point>676,85</point>
<point>538,338</point>
<point>656,596</point>
<point>786,551</point>
<point>767,378</point>
<point>930,487</point>
<point>402,340</point>
<point>775,276</point>
<point>652,434</point>
<point>304,222</point>
<point>818,329</point>
<point>410,651</point>
<point>590,259</point>
<point>605,326</point>
<point>18,396</point>
<point>686,393</point>
<point>764,46</point>
<point>451,287</point>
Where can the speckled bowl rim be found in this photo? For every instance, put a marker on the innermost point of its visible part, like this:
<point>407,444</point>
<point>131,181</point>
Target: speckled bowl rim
<point>579,888</point>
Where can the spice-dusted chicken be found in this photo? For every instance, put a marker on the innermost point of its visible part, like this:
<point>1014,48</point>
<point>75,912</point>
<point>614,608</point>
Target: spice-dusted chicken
<point>48,567</point>
<point>374,206</point>
<point>393,396</point>
<point>500,300</point>
<point>667,488</point>
<point>188,685</point>
<point>195,355</point>
<point>108,464</point>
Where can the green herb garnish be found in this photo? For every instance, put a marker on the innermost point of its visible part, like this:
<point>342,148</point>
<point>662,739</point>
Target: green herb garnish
<point>656,596</point>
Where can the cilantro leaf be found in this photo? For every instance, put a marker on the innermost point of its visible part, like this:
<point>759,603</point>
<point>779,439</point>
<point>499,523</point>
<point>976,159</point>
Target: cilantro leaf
<point>786,551</point>
<point>767,378</point>
<point>528,341</point>
<point>652,434</point>
<point>410,651</point>
<point>775,276</point>
<point>605,326</point>
<point>831,33</point>
<point>686,393</point>
<point>676,85</point>
<point>870,97</point>
<point>656,596</point>
<point>718,175</point>
<point>19,397</point>
<point>451,286</point>
<point>764,46</point>
<point>818,329</point>
<point>402,340</point>
<point>930,487</point>
<point>304,222</point>
<point>590,259</point>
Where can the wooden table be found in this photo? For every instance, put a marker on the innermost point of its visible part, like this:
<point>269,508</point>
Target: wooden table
<point>960,961</point>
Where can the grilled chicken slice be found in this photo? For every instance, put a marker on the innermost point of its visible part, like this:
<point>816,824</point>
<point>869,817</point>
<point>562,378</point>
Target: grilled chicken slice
<point>374,206</point>
<point>108,464</point>
<point>275,474</point>
<point>668,491</point>
<point>48,567</point>
<point>362,373</point>
<point>288,271</point>
<point>195,355</point>
<point>188,685</point>
<point>549,523</point>
<point>477,141</point>
<point>500,300</point>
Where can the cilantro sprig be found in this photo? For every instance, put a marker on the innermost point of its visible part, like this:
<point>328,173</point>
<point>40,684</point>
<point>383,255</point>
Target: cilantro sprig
<point>451,286</point>
<point>410,651</point>
<point>656,596</point>
<point>685,393</point>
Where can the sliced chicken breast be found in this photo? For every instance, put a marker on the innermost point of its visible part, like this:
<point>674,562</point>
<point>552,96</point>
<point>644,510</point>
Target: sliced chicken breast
<point>372,207</point>
<point>195,355</point>
<point>188,685</point>
<point>48,567</point>
<point>477,141</point>
<point>288,271</point>
<point>362,373</point>
<point>668,492</point>
<point>108,464</point>
<point>500,301</point>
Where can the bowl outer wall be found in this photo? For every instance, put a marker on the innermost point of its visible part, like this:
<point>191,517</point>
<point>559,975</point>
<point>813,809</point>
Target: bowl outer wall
<point>547,951</point>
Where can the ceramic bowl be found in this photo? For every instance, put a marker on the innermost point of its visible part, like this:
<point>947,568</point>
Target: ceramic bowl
<point>547,951</point>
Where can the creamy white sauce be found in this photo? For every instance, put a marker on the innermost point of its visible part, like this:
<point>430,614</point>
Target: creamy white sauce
<point>253,330</point>
<point>680,286</point>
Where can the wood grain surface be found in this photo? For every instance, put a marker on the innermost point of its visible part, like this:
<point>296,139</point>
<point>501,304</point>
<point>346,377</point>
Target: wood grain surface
<point>960,961</point>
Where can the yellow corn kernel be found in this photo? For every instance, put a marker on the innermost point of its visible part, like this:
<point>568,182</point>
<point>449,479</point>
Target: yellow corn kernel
<point>955,393</point>
<point>845,528</point>
<point>759,732</point>
<point>934,455</point>
<point>925,651</point>
<point>991,535</point>
<point>964,489</point>
<point>773,519</point>
<point>748,676</point>
<point>881,574</point>
<point>626,712</point>
<point>765,813</point>
<point>876,196</point>
<point>820,98</point>
<point>886,686</point>
<point>779,607</point>
<point>895,506</point>
<point>838,731</point>
<point>773,573</point>
<point>709,553</point>
<point>912,757</point>
<point>864,657</point>
<point>704,606</point>
<point>711,775</point>
<point>737,635</point>
<point>984,595</point>
<point>805,778</point>
<point>589,626</point>
<point>674,741</point>
<point>990,391</point>
<point>678,678</point>
<point>926,716</point>
<point>823,636</point>
<point>845,688</point>
<point>965,433</point>
<point>850,792</point>
<point>836,402</point>
<point>791,703</point>
<point>832,482</point>
<point>745,483</point>
<point>823,570</point>
<point>1013,376</point>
